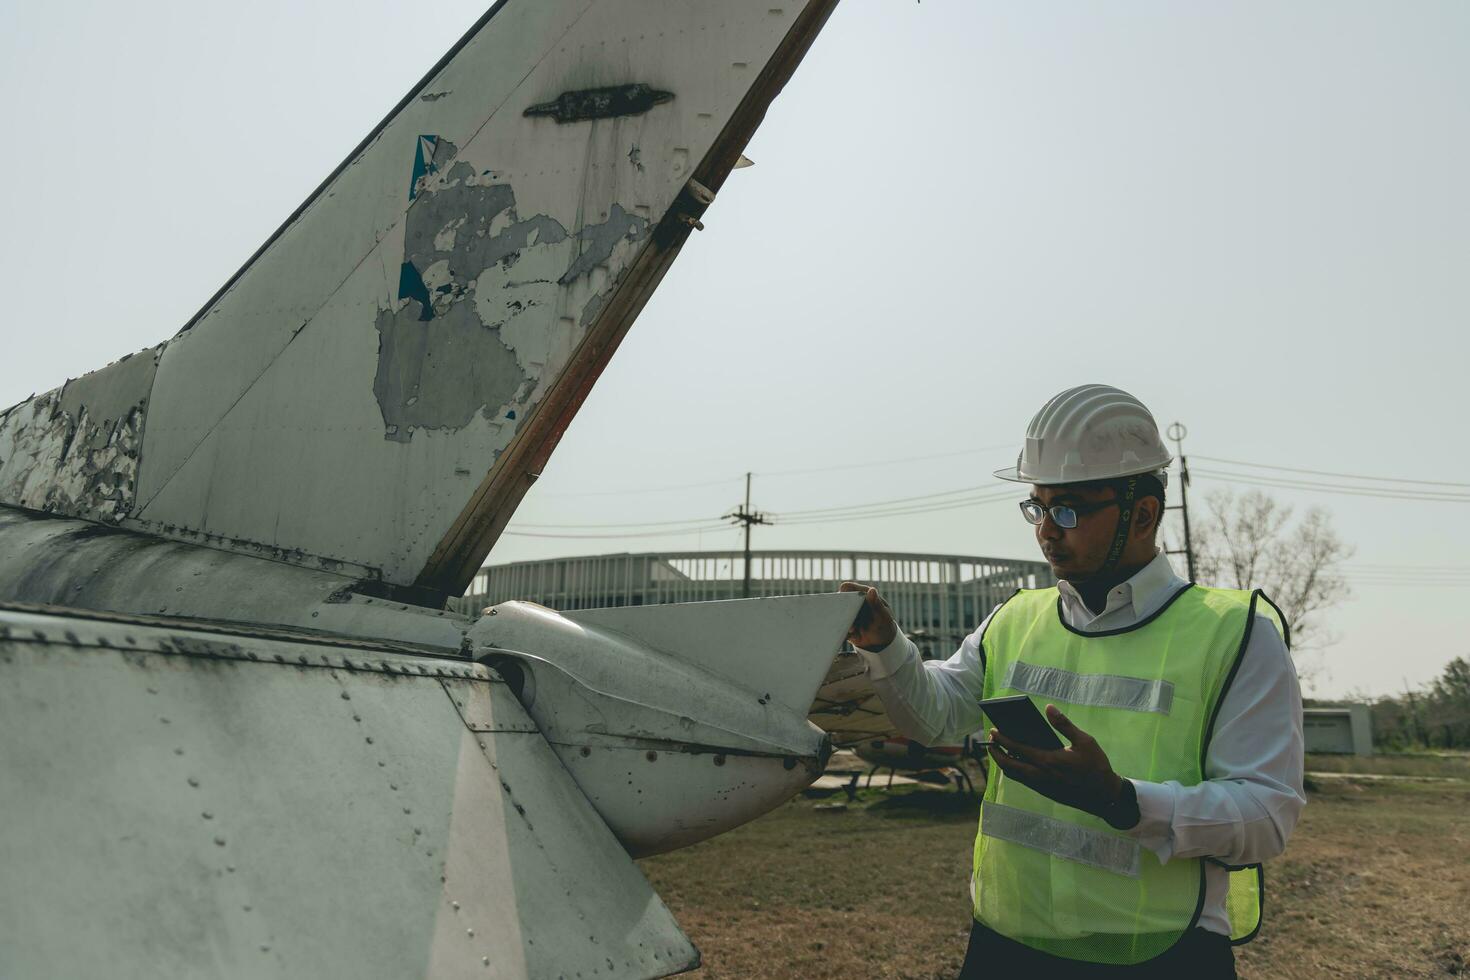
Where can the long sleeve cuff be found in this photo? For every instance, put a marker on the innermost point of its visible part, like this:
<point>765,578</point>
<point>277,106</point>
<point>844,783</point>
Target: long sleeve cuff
<point>1155,828</point>
<point>885,662</point>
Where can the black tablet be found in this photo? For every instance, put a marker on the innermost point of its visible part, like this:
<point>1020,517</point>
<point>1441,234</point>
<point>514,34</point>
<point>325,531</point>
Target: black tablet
<point>1017,718</point>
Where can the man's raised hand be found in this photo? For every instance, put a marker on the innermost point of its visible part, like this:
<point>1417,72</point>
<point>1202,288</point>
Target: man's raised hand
<point>874,628</point>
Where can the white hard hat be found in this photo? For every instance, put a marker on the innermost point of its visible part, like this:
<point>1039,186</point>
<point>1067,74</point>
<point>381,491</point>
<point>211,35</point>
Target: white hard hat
<point>1091,432</point>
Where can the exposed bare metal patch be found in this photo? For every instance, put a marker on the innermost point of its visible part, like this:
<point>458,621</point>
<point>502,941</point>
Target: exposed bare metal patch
<point>470,331</point>
<point>75,450</point>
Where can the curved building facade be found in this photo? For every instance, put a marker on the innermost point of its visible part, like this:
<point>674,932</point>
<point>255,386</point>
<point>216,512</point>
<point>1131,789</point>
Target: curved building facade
<point>938,599</point>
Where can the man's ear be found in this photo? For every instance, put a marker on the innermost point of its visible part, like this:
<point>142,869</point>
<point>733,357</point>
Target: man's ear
<point>1146,515</point>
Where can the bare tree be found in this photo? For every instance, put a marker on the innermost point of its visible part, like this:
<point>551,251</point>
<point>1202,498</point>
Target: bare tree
<point>1249,541</point>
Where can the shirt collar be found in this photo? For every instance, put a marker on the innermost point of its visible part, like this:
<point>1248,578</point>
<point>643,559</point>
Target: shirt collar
<point>1129,602</point>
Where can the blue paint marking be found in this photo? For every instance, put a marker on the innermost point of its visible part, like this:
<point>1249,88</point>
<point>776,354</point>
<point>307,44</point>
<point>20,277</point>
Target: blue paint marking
<point>423,163</point>
<point>411,286</point>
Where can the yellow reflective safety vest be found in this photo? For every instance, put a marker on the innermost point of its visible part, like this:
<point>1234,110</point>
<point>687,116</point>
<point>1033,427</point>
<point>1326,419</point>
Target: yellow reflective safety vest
<point>1060,880</point>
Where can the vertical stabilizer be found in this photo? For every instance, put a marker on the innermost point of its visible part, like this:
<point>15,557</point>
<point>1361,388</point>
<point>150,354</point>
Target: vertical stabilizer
<point>378,386</point>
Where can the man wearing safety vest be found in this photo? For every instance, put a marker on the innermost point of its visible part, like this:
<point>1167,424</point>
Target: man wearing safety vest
<point>1136,850</point>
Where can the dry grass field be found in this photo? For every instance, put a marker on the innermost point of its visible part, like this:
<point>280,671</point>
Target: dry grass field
<point>1376,883</point>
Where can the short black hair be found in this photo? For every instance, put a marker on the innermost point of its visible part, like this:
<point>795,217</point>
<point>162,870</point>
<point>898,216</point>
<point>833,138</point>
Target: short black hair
<point>1149,485</point>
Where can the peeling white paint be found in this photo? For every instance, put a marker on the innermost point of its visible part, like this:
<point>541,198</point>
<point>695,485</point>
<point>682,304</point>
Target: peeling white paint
<point>315,409</point>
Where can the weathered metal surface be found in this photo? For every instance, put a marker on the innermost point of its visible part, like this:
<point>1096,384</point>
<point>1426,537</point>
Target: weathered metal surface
<point>196,806</point>
<point>690,681</point>
<point>67,562</point>
<point>75,450</point>
<point>244,754</point>
<point>679,722</point>
<point>377,387</point>
<point>601,103</point>
<point>462,551</point>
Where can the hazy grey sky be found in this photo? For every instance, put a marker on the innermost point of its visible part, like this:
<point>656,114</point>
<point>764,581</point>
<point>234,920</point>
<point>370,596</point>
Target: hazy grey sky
<point>1254,216</point>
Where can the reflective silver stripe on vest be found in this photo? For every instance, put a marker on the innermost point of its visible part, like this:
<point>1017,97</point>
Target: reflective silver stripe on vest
<point>1064,840</point>
<point>1093,690</point>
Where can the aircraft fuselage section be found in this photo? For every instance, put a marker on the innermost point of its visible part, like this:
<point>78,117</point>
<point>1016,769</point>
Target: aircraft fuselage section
<point>668,751</point>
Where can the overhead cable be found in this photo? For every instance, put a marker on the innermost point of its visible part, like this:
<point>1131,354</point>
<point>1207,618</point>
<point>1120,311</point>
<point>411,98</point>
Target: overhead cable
<point>896,512</point>
<point>1345,476</point>
<point>782,514</point>
<point>876,508</point>
<point>1248,479</point>
<point>634,534</point>
<point>885,462</point>
<point>690,523</point>
<point>646,490</point>
<point>868,464</point>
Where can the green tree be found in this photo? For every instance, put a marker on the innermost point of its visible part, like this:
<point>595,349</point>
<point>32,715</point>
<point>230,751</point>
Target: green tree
<point>1447,706</point>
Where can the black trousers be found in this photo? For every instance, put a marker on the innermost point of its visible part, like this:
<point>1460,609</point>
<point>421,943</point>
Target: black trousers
<point>1199,955</point>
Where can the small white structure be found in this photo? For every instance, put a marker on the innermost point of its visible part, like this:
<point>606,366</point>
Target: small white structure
<point>1347,730</point>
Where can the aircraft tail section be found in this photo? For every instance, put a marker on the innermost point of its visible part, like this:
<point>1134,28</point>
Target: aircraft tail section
<point>378,386</point>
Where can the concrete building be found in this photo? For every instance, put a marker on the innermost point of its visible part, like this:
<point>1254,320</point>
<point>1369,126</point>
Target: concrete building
<point>938,599</point>
<point>1347,729</point>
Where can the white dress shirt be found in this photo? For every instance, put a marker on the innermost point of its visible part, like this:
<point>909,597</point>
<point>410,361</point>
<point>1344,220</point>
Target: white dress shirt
<point>1252,795</point>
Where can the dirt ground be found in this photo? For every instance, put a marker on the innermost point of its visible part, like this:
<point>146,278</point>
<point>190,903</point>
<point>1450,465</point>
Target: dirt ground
<point>1375,883</point>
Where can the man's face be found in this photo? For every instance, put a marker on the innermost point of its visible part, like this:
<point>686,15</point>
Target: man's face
<point>1076,553</point>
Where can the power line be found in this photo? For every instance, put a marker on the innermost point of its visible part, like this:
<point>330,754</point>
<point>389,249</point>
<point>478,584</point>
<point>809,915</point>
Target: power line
<point>1248,479</point>
<point>646,490</point>
<point>1450,579</point>
<point>747,518</point>
<point>884,503</point>
<point>877,508</point>
<point>1353,583</point>
<point>1177,432</point>
<point>1435,569</point>
<point>570,527</point>
<point>1426,574</point>
<point>1412,564</point>
<point>898,512</point>
<point>1346,476</point>
<point>885,462</point>
<point>870,464</point>
<point>1415,585</point>
<point>635,534</point>
<point>971,496</point>
<point>902,504</point>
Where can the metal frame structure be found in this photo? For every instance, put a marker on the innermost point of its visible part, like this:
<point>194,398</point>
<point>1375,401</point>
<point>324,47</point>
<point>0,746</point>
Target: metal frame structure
<point>939,599</point>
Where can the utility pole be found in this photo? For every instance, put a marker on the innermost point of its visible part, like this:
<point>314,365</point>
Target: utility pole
<point>1177,432</point>
<point>1419,736</point>
<point>745,516</point>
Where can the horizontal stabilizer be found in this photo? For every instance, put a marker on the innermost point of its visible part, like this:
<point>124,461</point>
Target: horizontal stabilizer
<point>780,648</point>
